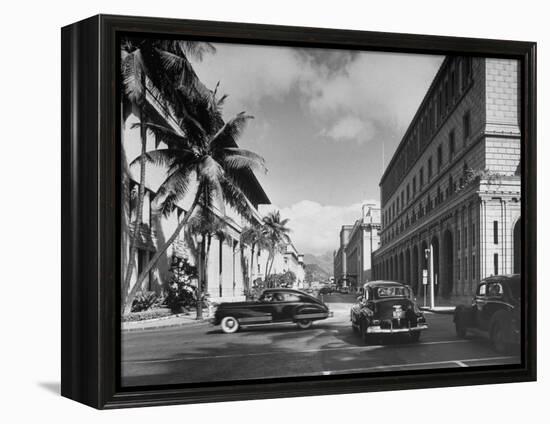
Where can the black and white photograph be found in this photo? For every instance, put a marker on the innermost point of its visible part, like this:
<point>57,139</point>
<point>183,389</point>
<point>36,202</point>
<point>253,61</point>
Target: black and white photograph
<point>300,212</point>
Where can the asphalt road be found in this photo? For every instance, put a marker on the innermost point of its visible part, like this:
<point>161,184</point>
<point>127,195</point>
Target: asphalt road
<point>201,352</point>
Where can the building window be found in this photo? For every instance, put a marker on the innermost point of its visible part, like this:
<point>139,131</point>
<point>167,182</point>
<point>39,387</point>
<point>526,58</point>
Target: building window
<point>473,267</point>
<point>466,71</point>
<point>458,270</point>
<point>397,205</point>
<point>458,240</point>
<point>421,177</point>
<point>465,242</point>
<point>451,145</point>
<point>402,199</point>
<point>414,186</point>
<point>465,268</point>
<point>430,171</point>
<point>495,232</point>
<point>439,157</point>
<point>495,263</point>
<point>452,85</point>
<point>466,126</point>
<point>473,234</point>
<point>408,194</point>
<point>451,185</point>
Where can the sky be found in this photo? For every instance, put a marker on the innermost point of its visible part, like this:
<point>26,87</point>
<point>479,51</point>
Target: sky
<point>325,121</point>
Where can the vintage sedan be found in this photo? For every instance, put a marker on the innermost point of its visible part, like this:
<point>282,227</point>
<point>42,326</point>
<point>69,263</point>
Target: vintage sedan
<point>387,307</point>
<point>494,312</point>
<point>273,306</point>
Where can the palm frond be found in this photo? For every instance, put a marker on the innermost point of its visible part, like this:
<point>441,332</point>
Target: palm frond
<point>236,159</point>
<point>231,130</point>
<point>133,70</point>
<point>165,157</point>
<point>237,199</point>
<point>166,134</point>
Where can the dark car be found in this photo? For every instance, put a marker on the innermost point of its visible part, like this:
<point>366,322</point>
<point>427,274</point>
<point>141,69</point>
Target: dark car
<point>495,312</point>
<point>273,306</point>
<point>325,290</point>
<point>387,307</point>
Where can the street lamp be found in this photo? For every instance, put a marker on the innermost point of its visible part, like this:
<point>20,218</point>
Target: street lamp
<point>200,240</point>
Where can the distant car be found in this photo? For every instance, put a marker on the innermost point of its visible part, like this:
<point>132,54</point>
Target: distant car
<point>273,306</point>
<point>495,312</point>
<point>325,290</point>
<point>344,290</point>
<point>387,307</point>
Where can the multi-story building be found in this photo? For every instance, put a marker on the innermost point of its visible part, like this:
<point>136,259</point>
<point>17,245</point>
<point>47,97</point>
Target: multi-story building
<point>451,194</point>
<point>352,260</point>
<point>287,260</point>
<point>339,263</point>
<point>229,264</point>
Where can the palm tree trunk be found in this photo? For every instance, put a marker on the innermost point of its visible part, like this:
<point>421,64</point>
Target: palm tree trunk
<point>271,264</point>
<point>266,266</point>
<point>153,261</point>
<point>252,260</point>
<point>141,197</point>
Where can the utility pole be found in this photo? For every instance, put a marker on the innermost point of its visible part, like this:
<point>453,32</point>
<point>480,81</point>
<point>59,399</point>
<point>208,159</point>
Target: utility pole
<point>429,258</point>
<point>200,240</point>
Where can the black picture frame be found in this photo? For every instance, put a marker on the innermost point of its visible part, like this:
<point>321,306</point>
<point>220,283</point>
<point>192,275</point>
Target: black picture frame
<point>90,210</point>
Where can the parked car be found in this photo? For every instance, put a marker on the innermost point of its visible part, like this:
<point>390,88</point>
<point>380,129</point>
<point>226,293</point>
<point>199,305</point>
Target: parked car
<point>325,290</point>
<point>387,307</point>
<point>273,306</point>
<point>344,290</point>
<point>494,312</point>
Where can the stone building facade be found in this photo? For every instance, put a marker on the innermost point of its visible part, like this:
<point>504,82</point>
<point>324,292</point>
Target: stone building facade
<point>352,260</point>
<point>451,195</point>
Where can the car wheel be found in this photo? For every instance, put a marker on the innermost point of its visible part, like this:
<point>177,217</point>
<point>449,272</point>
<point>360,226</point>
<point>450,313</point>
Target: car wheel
<point>304,324</point>
<point>230,325</point>
<point>415,336</point>
<point>460,327</point>
<point>497,338</point>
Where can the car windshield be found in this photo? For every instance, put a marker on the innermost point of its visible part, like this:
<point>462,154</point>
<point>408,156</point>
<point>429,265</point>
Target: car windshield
<point>383,292</point>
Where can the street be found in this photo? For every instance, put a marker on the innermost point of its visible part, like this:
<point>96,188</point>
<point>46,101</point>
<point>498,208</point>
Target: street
<point>200,352</point>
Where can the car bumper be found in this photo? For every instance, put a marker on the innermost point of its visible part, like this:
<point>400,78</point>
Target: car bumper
<point>376,329</point>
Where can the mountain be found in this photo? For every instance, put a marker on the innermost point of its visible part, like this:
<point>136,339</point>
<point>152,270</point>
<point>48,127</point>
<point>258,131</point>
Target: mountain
<point>315,273</point>
<point>324,261</point>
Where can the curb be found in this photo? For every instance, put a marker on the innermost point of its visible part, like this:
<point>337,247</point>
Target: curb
<point>156,327</point>
<point>141,325</point>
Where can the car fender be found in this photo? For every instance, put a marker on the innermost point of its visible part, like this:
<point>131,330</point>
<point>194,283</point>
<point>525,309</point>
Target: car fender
<point>504,319</point>
<point>465,313</point>
<point>309,311</point>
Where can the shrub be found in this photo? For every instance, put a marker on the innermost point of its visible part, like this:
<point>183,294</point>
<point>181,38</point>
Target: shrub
<point>144,315</point>
<point>182,293</point>
<point>144,301</point>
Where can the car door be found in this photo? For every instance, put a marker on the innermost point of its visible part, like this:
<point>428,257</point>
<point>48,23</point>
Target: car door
<point>495,303</point>
<point>479,303</point>
<point>290,302</point>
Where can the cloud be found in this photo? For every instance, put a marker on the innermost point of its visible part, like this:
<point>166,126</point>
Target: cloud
<point>351,95</point>
<point>316,227</point>
<point>350,128</point>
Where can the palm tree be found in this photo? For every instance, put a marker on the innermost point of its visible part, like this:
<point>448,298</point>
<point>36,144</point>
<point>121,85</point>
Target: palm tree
<point>255,237</point>
<point>208,225</point>
<point>165,65</point>
<point>277,234</point>
<point>209,160</point>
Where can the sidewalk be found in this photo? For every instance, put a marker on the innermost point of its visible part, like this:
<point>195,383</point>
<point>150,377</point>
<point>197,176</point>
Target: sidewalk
<point>164,322</point>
